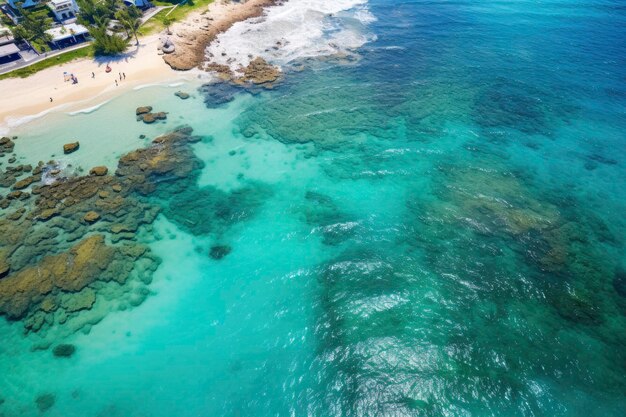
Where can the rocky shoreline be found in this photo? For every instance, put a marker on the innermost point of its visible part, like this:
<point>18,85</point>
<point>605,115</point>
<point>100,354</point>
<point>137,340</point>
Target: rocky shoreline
<point>191,42</point>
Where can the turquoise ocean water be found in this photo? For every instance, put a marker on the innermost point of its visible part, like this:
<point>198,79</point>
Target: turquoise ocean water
<point>434,227</point>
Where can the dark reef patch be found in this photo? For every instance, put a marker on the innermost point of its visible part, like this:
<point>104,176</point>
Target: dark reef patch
<point>64,350</point>
<point>218,252</point>
<point>45,402</point>
<point>514,104</point>
<point>209,210</point>
<point>219,94</point>
<point>321,212</point>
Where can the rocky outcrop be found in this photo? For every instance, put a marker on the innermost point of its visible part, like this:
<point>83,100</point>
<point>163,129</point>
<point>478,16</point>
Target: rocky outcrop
<point>259,72</point>
<point>190,45</point>
<point>99,171</point>
<point>168,156</point>
<point>70,147</point>
<point>143,110</point>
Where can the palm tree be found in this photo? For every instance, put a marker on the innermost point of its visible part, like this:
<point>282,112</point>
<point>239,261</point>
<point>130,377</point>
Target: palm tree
<point>132,25</point>
<point>130,21</point>
<point>167,21</point>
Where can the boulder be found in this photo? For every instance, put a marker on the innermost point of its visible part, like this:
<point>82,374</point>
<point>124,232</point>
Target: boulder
<point>70,147</point>
<point>6,145</point>
<point>91,217</point>
<point>148,118</point>
<point>143,110</point>
<point>64,350</point>
<point>99,171</point>
<point>181,95</point>
<point>17,214</point>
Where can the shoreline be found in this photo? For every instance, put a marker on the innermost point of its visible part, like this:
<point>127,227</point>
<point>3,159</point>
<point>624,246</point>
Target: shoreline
<point>27,99</point>
<point>192,36</point>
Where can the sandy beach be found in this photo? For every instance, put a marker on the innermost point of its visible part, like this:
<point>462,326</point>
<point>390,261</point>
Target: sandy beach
<point>25,98</point>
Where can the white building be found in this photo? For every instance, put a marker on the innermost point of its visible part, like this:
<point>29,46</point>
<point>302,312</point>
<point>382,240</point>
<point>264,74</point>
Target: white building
<point>67,35</point>
<point>63,9</point>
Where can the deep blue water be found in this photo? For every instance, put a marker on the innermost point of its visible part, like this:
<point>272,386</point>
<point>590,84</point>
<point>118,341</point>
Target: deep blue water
<point>434,229</point>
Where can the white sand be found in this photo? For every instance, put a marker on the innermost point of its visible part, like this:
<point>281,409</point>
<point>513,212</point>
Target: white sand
<point>25,98</point>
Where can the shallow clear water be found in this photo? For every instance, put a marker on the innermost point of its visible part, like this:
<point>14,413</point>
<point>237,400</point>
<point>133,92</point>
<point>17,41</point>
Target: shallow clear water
<point>436,228</point>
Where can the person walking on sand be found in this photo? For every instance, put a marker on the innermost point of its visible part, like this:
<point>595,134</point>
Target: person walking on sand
<point>116,83</point>
<point>50,99</point>
<point>93,75</point>
<point>124,74</point>
<point>120,76</point>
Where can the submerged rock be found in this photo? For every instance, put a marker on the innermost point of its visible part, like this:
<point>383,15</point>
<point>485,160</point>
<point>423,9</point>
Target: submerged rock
<point>148,118</point>
<point>218,252</point>
<point>6,145</point>
<point>91,217</point>
<point>45,402</point>
<point>70,147</point>
<point>5,267</point>
<point>26,182</point>
<point>82,300</point>
<point>64,350</point>
<point>182,95</point>
<point>88,261</point>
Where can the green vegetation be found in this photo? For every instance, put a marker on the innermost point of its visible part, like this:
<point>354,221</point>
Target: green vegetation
<point>166,17</point>
<point>130,19</point>
<point>33,28</point>
<point>86,52</point>
<point>98,16</point>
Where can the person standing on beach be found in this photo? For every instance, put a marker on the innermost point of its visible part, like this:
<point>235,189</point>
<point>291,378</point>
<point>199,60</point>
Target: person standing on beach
<point>124,74</point>
<point>120,76</point>
<point>116,83</point>
<point>50,99</point>
<point>93,75</point>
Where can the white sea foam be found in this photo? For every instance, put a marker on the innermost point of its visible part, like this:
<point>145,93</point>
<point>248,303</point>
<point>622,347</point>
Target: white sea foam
<point>88,109</point>
<point>295,30</point>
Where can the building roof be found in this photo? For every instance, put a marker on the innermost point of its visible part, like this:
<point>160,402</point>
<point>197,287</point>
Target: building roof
<point>8,49</point>
<point>67,31</point>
